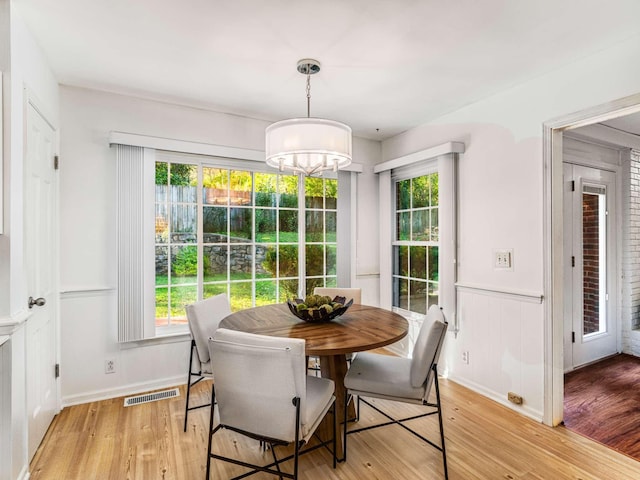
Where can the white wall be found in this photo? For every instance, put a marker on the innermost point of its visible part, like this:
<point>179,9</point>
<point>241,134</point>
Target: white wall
<point>5,404</point>
<point>501,206</point>
<point>25,76</point>
<point>29,78</point>
<point>5,62</point>
<point>366,271</point>
<point>88,267</point>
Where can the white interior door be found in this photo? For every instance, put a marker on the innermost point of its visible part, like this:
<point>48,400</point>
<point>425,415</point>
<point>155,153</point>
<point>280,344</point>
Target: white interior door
<point>591,325</point>
<point>41,332</point>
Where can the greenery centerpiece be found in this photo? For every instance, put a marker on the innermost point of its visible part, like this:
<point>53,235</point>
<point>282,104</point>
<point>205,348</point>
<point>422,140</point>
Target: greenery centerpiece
<point>318,308</point>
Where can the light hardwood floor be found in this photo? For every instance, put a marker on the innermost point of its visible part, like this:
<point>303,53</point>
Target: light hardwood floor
<point>104,440</point>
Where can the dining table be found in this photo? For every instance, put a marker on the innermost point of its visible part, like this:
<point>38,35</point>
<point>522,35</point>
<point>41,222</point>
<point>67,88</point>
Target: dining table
<point>360,328</point>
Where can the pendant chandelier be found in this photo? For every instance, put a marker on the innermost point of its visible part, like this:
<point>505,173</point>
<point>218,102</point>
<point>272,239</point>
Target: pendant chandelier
<point>308,145</point>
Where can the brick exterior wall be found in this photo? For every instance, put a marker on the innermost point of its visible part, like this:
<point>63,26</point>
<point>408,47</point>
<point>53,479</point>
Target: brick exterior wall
<point>634,238</point>
<point>630,305</point>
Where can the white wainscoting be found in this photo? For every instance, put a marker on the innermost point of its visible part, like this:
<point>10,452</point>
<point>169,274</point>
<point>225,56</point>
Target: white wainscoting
<point>503,333</point>
<point>89,337</point>
<point>13,398</point>
<point>5,406</point>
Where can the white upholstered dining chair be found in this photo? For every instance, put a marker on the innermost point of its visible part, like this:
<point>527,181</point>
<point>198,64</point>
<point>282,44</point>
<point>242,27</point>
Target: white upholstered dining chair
<point>262,390</point>
<point>203,317</point>
<point>400,379</point>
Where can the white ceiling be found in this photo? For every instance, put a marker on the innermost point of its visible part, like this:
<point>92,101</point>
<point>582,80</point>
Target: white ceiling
<point>386,64</point>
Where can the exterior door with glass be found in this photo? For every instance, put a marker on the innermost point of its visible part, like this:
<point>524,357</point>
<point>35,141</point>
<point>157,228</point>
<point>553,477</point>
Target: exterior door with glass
<point>591,326</point>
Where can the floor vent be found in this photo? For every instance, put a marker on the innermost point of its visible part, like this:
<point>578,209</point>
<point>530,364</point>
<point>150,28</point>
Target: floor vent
<point>151,397</point>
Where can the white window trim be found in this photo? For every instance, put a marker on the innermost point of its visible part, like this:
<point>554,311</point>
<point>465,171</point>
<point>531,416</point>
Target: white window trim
<point>419,156</point>
<point>198,148</point>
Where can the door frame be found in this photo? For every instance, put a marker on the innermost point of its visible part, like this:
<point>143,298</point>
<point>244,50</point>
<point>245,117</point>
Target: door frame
<point>552,155</point>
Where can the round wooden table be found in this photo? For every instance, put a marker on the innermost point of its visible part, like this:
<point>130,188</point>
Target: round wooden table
<point>361,328</point>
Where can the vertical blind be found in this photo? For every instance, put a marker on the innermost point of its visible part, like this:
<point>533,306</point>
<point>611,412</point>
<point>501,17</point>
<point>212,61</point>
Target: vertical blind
<point>130,176</point>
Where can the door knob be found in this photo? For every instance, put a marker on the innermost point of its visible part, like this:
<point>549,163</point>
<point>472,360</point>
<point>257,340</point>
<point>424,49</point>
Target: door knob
<point>38,301</point>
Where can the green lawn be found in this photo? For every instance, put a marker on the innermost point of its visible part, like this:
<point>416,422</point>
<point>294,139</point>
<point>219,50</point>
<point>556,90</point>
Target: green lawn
<point>271,237</point>
<point>186,293</point>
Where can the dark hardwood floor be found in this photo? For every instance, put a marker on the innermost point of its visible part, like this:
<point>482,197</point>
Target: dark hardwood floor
<point>602,402</point>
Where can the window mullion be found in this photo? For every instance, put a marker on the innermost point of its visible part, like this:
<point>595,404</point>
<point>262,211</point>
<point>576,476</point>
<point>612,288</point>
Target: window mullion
<point>228,227</point>
<point>200,234</point>
<point>254,248</point>
<point>302,216</point>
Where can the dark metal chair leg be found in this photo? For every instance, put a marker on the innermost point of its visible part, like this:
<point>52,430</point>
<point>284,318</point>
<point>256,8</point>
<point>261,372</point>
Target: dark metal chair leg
<point>213,403</point>
<point>296,453</point>
<point>444,451</point>
<point>275,458</point>
<point>186,407</point>
<point>344,439</point>
<point>335,429</point>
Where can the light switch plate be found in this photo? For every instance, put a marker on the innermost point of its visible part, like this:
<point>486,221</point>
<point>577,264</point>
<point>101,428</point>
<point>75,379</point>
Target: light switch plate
<point>503,259</point>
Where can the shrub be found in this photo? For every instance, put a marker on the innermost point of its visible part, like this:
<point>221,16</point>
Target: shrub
<point>185,263</point>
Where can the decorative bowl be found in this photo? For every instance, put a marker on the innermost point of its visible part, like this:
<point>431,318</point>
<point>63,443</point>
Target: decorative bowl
<point>319,314</point>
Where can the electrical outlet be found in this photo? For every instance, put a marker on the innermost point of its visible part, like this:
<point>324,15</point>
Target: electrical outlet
<point>465,357</point>
<point>514,398</point>
<point>503,259</point>
<point>110,366</point>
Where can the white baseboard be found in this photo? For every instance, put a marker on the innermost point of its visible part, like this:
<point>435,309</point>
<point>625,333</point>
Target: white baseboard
<point>496,397</point>
<point>24,473</point>
<point>131,389</point>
